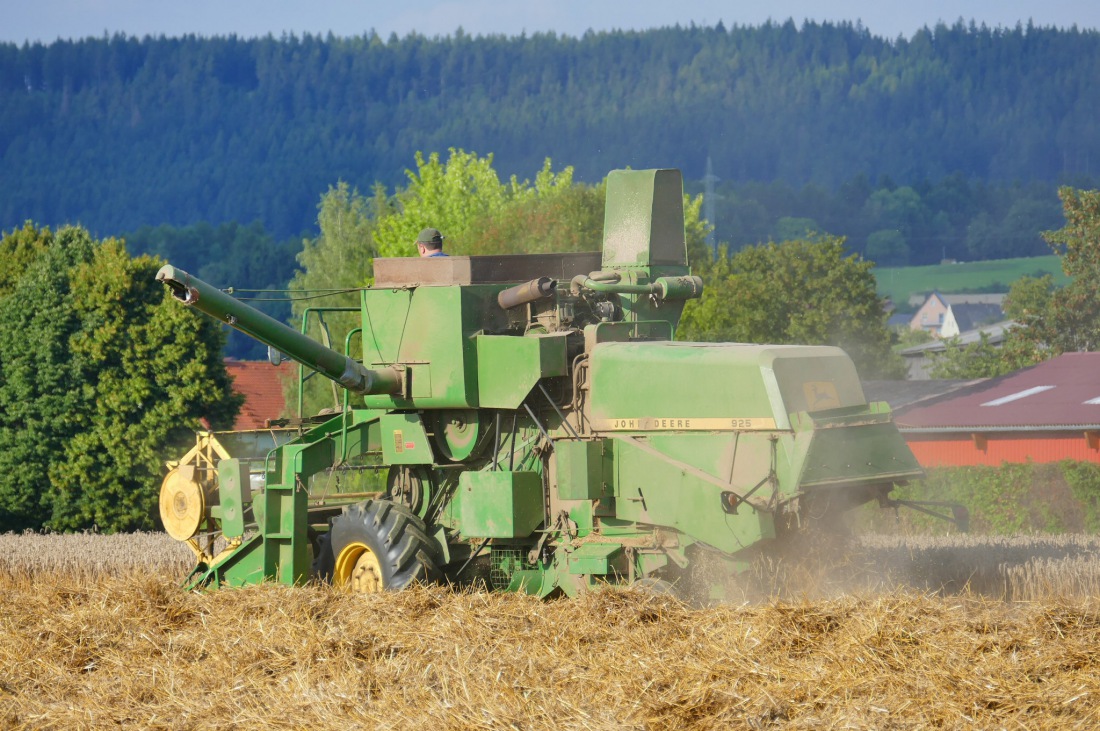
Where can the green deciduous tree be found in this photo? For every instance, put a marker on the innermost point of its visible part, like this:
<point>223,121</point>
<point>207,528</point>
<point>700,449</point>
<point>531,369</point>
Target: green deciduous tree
<point>461,197</point>
<point>341,256</point>
<point>36,396</point>
<point>899,210</point>
<point>888,247</point>
<point>227,255</point>
<point>983,359</point>
<point>569,220</point>
<point>808,292</point>
<point>479,214</point>
<point>113,382</point>
<point>1074,313</point>
<point>1048,321</point>
<point>332,267</point>
<point>18,250</point>
<point>789,228</point>
<point>1028,305</point>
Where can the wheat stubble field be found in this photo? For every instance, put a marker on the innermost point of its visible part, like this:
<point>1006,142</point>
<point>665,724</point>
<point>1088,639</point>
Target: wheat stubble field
<point>94,633</point>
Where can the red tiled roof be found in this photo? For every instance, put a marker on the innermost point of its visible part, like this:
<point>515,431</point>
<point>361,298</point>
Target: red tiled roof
<point>1061,393</point>
<point>262,386</point>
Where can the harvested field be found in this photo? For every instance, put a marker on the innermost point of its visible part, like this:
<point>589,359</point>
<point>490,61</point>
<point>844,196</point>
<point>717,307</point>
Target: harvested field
<point>122,645</point>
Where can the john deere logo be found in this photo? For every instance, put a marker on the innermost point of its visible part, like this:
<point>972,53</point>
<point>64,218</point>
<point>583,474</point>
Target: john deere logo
<point>694,423</point>
<point>820,395</point>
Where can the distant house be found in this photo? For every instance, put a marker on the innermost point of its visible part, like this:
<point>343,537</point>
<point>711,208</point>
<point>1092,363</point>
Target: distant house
<point>969,316</point>
<point>1045,413</point>
<point>918,299</point>
<point>895,320</point>
<point>898,321</point>
<point>261,385</point>
<point>932,315</point>
<point>919,359</point>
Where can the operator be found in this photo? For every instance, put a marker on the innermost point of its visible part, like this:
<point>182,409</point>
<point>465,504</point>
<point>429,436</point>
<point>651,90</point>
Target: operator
<point>430,243</point>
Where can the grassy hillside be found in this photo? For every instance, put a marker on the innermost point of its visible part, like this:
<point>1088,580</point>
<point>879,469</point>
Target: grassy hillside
<point>978,276</point>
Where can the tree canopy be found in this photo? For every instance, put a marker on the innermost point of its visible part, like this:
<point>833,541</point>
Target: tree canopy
<point>1048,321</point>
<point>331,268</point>
<point>227,255</point>
<point>811,292</point>
<point>119,132</point>
<point>103,379</point>
<point>1073,315</point>
<point>464,197</point>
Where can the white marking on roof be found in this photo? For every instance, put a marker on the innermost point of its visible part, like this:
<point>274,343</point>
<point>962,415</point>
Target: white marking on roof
<point>1017,396</point>
<point>1092,401</point>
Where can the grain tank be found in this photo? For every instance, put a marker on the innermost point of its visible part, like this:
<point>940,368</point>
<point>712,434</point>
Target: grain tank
<point>542,428</point>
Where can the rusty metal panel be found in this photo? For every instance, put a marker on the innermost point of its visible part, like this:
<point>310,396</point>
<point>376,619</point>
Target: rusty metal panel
<point>443,271</point>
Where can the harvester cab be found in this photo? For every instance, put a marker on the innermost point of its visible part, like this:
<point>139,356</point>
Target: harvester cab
<point>542,429</point>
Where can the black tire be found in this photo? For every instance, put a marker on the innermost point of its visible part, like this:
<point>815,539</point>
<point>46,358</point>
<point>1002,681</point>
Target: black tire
<point>323,560</point>
<point>378,545</point>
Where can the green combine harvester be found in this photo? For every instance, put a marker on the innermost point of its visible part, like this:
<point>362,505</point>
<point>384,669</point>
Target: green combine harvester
<point>540,427</point>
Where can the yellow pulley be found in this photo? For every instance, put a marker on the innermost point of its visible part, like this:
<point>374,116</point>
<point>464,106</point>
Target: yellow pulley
<point>182,503</point>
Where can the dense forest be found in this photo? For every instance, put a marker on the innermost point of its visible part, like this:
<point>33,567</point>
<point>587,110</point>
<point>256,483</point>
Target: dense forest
<point>949,143</point>
<point>924,223</point>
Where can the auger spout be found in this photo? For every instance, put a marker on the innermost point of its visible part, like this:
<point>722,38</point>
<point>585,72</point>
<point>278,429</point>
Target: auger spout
<point>344,370</point>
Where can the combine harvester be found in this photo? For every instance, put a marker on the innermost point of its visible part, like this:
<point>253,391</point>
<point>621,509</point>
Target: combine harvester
<point>541,428</point>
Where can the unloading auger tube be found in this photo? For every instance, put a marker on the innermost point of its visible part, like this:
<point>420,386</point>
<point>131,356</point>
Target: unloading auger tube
<point>222,307</point>
<point>665,288</point>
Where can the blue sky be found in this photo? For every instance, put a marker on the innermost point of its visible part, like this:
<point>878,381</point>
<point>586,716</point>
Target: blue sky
<point>47,20</point>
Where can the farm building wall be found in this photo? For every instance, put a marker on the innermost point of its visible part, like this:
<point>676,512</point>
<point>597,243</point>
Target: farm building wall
<point>993,449</point>
<point>1046,413</point>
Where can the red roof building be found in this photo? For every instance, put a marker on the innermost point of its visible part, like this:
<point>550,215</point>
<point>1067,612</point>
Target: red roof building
<point>1045,413</point>
<point>262,386</point>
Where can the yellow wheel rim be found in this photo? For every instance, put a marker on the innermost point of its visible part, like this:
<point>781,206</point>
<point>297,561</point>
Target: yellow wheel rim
<point>358,570</point>
<point>182,505</point>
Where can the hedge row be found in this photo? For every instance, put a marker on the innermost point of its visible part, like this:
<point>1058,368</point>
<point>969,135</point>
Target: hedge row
<point>1062,497</point>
